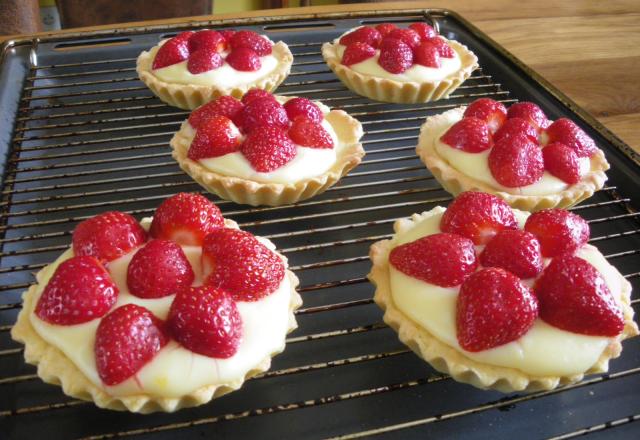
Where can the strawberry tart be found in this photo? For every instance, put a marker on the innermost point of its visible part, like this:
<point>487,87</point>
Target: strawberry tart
<point>516,153</point>
<point>403,65</point>
<point>193,68</point>
<point>267,149</point>
<point>158,315</point>
<point>522,301</point>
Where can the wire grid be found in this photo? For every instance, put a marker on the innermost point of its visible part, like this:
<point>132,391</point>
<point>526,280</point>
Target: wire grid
<point>90,137</point>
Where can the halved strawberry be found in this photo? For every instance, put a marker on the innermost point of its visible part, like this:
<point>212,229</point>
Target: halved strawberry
<point>254,94</point>
<point>559,231</point>
<point>423,30</point>
<point>444,49</point>
<point>468,134</point>
<point>108,236</point>
<point>159,269</point>
<point>513,127</point>
<point>356,53</point>
<point>407,36</point>
<point>209,39</point>
<point>493,309</point>
<point>224,106</point>
<point>514,250</point>
<point>172,52</point>
<point>492,112</point>
<point>215,137</point>
<point>574,296</point>
<point>478,216</point>
<point>267,148</point>
<point>530,112</point>
<point>308,133</point>
<point>364,34</point>
<point>251,40</point>
<point>567,132</point>
<point>562,162</point>
<point>516,161</point>
<point>237,262</point>
<point>204,60</point>
<point>244,60</point>
<point>206,321</point>
<point>303,107</point>
<point>423,259</point>
<point>126,340</point>
<point>427,54</point>
<point>385,28</point>
<point>79,291</point>
<point>395,55</point>
<point>186,218</point>
<point>263,112</point>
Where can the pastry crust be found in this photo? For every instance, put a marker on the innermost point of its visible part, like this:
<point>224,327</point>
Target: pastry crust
<point>239,190</point>
<point>191,96</point>
<point>456,182</point>
<point>388,90</point>
<point>446,359</point>
<point>56,368</point>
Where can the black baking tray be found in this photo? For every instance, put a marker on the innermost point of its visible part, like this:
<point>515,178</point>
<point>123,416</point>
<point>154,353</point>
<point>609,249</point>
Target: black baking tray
<point>80,134</point>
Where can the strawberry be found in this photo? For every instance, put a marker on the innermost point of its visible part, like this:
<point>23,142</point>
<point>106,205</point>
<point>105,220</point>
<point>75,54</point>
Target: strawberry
<point>304,107</point>
<point>478,216</point>
<point>516,127</point>
<point>356,53</point>
<point>244,60</point>
<point>173,51</point>
<point>215,137</point>
<point>427,55</point>
<point>225,106</point>
<point>562,162</point>
<point>385,28</point>
<point>237,262</point>
<point>108,236</point>
<point>494,308</point>
<point>268,148</point>
<point>574,296</point>
<point>126,340</point>
<point>251,40</point>
<point>423,30</point>
<point>423,259</point>
<point>468,134</point>
<point>159,269</point>
<point>263,112</point>
<point>444,49</point>
<point>308,133</point>
<point>530,112</point>
<point>492,112</point>
<point>206,321</point>
<point>567,132</point>
<point>227,34</point>
<point>254,94</point>
<point>514,250</point>
<point>204,60</point>
<point>79,291</point>
<point>559,231</point>
<point>186,218</point>
<point>407,36</point>
<point>516,161</point>
<point>207,38</point>
<point>364,34</point>
<point>395,55</point>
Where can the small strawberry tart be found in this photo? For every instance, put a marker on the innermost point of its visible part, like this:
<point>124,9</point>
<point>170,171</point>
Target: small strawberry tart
<point>517,153</point>
<point>193,68</point>
<point>403,65</point>
<point>521,301</point>
<point>159,315</point>
<point>267,149</point>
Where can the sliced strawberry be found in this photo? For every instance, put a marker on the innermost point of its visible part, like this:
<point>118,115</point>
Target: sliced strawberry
<point>516,161</point>
<point>237,262</point>
<point>494,308</point>
<point>513,127</point>
<point>204,60</point>
<point>251,40</point>
<point>559,231</point>
<point>206,321</point>
<point>562,162</point>
<point>254,94</point>
<point>427,55</point>
<point>263,112</point>
<point>529,112</point>
<point>407,36</point>
<point>478,216</point>
<point>308,133</point>
<point>244,60</point>
<point>574,296</point>
<point>108,236</point>
<point>356,53</point>
<point>126,340</point>
<point>468,134</point>
<point>159,269</point>
<point>209,39</point>
<point>395,55</point>
<point>492,112</point>
<point>423,259</point>
<point>268,148</point>
<point>444,49</point>
<point>385,28</point>
<point>423,30</point>
<point>567,132</point>
<point>171,52</point>
<point>364,34</point>
<point>303,107</point>
<point>514,250</point>
<point>224,106</point>
<point>80,290</point>
<point>215,137</point>
<point>186,218</point>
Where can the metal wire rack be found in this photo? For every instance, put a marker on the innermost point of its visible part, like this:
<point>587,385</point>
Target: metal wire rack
<point>88,137</point>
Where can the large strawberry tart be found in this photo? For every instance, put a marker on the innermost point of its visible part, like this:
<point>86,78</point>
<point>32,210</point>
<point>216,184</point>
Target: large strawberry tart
<point>193,68</point>
<point>158,315</point>
<point>521,301</point>
<point>517,153</point>
<point>404,65</point>
<point>267,149</point>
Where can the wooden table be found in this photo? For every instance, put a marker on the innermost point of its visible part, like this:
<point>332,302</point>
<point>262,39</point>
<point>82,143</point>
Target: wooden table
<point>589,49</point>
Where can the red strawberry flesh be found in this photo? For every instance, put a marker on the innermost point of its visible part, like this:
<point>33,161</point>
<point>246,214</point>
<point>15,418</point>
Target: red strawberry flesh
<point>559,231</point>
<point>562,162</point>
<point>407,36</point>
<point>516,161</point>
<point>209,39</point>
<point>516,127</point>
<point>171,52</point>
<point>216,137</point>
<point>423,30</point>
<point>514,250</point>
<point>254,94</point>
<point>308,133</point>
<point>303,107</point>
<point>263,112</point>
<point>567,132</point>
<point>427,55</point>
<point>365,34</point>
<point>492,112</point>
<point>395,55</point>
<point>244,59</point>
<point>356,53</point>
<point>470,135</point>
<point>268,148</point>
<point>250,40</point>
<point>224,106</point>
<point>530,112</point>
<point>204,60</point>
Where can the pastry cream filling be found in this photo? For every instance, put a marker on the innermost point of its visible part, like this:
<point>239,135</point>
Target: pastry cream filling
<point>174,371</point>
<point>543,350</point>
<point>476,165</point>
